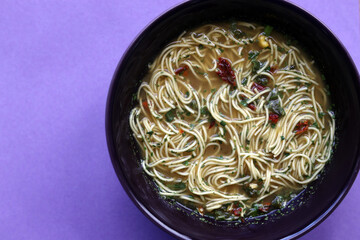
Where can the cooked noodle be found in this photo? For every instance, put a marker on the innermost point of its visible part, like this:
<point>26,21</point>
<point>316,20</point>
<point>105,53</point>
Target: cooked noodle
<point>245,157</point>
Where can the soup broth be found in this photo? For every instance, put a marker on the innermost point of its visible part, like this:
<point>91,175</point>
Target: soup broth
<point>233,120</point>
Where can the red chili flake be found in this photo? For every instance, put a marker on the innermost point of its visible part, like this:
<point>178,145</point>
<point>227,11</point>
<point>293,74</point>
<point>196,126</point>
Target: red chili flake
<point>301,127</point>
<point>273,117</point>
<point>237,211</point>
<point>225,71</point>
<point>242,220</point>
<point>273,69</point>
<point>257,86</point>
<point>181,70</point>
<point>181,131</point>
<point>265,208</point>
<point>251,106</point>
<point>145,104</point>
<point>212,124</point>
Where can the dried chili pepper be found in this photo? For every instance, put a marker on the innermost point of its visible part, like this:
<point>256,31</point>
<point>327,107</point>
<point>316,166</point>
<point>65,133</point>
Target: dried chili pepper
<point>273,117</point>
<point>265,207</point>
<point>181,70</point>
<point>301,127</point>
<point>237,211</point>
<point>225,71</point>
<point>273,69</point>
<point>212,123</point>
<point>257,86</point>
<point>252,106</point>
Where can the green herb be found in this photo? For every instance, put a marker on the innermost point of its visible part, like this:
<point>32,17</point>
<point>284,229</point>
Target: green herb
<point>256,65</point>
<point>244,103</point>
<point>150,133</point>
<point>277,202</point>
<point>170,115</point>
<point>213,90</point>
<point>223,123</point>
<point>273,125</point>
<point>273,94</point>
<point>323,77</point>
<point>205,111</point>
<point>281,94</point>
<point>236,31</point>
<point>321,114</point>
<point>193,104</point>
<point>244,81</point>
<point>198,71</point>
<point>221,50</point>
<point>315,124</point>
<point>282,138</point>
<point>252,55</point>
<point>201,46</point>
<point>250,191</point>
<point>268,29</point>
<point>261,80</point>
<point>179,186</point>
<point>187,94</point>
<point>186,163</point>
<point>183,134</point>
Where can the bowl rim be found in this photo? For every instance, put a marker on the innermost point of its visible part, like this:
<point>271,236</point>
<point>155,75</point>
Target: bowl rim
<point>112,146</point>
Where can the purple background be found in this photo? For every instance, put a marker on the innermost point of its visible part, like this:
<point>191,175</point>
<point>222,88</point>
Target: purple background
<point>56,62</point>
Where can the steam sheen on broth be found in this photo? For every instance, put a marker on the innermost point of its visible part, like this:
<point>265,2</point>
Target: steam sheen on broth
<point>233,120</point>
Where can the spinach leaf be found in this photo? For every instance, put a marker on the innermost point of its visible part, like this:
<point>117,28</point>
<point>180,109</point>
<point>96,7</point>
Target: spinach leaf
<point>273,94</point>
<point>274,105</point>
<point>179,186</point>
<point>170,115</point>
<point>268,29</point>
<point>252,55</point>
<point>262,80</point>
<point>277,202</point>
<point>236,31</point>
<point>250,191</point>
<point>256,65</point>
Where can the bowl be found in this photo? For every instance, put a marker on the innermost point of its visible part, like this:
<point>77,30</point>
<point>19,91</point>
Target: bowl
<point>314,203</point>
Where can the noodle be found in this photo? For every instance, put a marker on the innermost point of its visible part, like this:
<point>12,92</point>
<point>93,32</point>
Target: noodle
<point>223,145</point>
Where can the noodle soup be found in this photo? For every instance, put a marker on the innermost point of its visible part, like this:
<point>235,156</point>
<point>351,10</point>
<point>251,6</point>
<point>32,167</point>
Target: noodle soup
<point>233,120</point>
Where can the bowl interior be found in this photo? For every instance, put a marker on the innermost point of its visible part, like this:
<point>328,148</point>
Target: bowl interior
<point>314,203</point>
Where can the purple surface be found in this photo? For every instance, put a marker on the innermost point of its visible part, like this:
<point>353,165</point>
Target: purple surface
<point>57,59</point>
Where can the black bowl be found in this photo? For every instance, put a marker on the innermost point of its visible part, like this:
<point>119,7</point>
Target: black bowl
<point>317,201</point>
